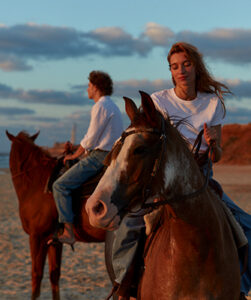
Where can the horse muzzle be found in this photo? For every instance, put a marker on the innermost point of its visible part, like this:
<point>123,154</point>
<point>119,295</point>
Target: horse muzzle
<point>102,215</point>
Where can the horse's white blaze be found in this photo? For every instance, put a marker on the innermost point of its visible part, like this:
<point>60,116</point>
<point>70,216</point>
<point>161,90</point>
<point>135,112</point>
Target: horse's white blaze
<point>107,185</point>
<point>111,177</point>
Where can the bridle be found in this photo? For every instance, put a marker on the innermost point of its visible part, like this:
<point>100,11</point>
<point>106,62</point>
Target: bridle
<point>148,207</point>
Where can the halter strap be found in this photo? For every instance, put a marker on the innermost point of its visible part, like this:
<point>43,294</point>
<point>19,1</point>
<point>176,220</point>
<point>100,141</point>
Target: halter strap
<point>146,191</point>
<point>157,163</point>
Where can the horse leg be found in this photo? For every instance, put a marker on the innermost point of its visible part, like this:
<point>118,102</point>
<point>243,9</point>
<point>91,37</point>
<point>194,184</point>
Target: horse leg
<point>38,248</point>
<point>54,260</point>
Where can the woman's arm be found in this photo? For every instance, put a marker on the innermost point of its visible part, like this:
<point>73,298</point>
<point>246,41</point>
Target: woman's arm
<point>213,134</point>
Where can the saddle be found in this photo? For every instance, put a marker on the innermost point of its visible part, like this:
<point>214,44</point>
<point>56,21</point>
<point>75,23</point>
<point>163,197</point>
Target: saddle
<point>59,169</point>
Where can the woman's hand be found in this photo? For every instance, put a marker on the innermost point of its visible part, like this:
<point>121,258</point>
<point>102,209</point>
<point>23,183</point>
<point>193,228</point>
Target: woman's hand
<point>212,136</point>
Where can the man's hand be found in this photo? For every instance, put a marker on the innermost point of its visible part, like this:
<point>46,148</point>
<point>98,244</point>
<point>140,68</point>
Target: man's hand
<point>68,157</point>
<point>79,152</point>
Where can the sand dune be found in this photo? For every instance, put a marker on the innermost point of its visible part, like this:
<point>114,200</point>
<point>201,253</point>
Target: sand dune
<point>83,272</point>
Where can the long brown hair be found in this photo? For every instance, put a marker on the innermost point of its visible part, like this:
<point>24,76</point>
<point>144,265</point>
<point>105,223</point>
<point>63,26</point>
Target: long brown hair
<point>204,82</point>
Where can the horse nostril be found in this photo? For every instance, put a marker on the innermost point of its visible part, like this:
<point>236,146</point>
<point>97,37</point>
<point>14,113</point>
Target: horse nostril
<point>98,208</point>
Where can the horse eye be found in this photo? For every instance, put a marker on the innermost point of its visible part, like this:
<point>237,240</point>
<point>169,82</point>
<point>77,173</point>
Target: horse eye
<point>139,150</point>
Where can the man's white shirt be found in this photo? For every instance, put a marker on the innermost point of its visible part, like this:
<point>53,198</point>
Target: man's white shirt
<point>105,127</point>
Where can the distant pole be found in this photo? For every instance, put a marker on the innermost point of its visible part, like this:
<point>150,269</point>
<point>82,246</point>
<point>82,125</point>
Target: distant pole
<point>73,134</point>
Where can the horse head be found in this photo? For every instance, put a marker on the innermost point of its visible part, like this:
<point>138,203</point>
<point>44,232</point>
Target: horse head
<point>24,152</point>
<point>22,133</point>
<point>135,171</point>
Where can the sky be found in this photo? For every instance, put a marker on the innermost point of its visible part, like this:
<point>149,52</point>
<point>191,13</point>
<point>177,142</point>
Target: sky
<point>48,48</point>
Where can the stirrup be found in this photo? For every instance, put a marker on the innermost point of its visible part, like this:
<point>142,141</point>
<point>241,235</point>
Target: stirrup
<point>55,241</point>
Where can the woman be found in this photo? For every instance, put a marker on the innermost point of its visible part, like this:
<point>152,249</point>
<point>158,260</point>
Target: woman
<point>198,100</point>
<point>196,97</point>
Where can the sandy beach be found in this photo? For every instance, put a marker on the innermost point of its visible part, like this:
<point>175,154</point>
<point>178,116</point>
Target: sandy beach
<point>83,272</point>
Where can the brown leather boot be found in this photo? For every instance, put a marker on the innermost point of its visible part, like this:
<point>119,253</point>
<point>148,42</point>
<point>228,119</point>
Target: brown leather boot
<point>68,234</point>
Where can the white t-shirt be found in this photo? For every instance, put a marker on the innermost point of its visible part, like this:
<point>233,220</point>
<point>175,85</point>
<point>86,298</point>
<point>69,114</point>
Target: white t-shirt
<point>205,108</point>
<point>106,125</point>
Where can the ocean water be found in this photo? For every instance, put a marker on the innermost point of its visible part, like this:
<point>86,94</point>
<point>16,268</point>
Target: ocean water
<point>4,160</point>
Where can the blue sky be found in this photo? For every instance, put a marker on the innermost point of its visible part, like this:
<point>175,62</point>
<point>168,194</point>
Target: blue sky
<point>48,48</point>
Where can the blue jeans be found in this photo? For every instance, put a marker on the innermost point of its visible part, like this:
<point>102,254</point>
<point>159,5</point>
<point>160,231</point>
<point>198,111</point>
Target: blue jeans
<point>72,179</point>
<point>125,245</point>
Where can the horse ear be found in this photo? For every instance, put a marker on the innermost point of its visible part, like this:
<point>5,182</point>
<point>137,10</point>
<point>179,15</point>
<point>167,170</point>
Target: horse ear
<point>149,108</point>
<point>10,136</point>
<point>131,108</point>
<point>33,137</point>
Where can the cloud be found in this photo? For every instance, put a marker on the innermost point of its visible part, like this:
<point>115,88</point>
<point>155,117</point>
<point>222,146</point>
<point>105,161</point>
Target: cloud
<point>237,115</point>
<point>40,119</point>
<point>157,34</point>
<point>10,63</point>
<point>43,96</point>
<point>131,88</point>
<point>240,88</point>
<point>229,45</point>
<point>21,44</point>
<point>52,97</point>
<point>118,42</point>
<point>11,111</point>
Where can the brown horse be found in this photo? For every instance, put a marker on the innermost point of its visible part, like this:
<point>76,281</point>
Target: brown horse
<point>30,168</point>
<point>192,254</point>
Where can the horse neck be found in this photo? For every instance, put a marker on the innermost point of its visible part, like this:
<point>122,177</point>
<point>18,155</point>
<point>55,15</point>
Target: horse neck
<point>181,173</point>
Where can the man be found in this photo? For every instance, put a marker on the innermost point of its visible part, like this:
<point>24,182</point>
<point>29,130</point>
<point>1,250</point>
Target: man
<point>104,129</point>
